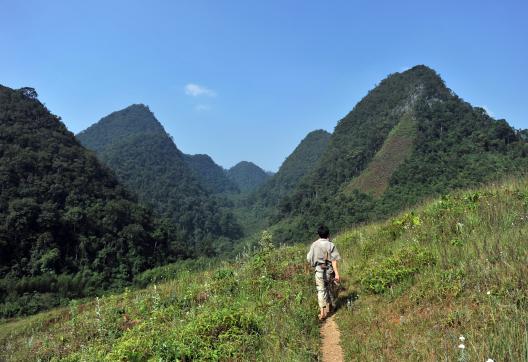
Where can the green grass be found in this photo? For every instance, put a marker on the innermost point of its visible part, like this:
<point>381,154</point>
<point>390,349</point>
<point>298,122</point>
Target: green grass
<point>453,266</point>
<point>397,147</point>
<point>467,276</point>
<point>254,309</point>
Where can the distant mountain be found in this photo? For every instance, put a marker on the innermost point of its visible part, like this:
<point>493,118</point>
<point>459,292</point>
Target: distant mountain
<point>298,164</point>
<point>409,138</point>
<point>247,176</point>
<point>136,119</point>
<point>67,227</point>
<point>136,147</point>
<point>212,176</point>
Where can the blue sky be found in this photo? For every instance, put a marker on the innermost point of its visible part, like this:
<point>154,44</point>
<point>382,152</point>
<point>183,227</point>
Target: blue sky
<point>247,80</point>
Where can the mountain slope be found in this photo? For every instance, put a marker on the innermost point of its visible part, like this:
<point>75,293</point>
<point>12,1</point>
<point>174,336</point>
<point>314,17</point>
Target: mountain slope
<point>67,227</point>
<point>133,120</point>
<point>454,267</point>
<point>136,147</point>
<point>411,286</point>
<point>394,151</point>
<point>247,176</point>
<point>298,164</point>
<point>455,145</point>
<point>213,177</point>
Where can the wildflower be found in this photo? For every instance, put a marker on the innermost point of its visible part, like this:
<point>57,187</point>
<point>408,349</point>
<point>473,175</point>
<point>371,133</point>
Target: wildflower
<point>489,292</point>
<point>461,346</point>
<point>462,339</point>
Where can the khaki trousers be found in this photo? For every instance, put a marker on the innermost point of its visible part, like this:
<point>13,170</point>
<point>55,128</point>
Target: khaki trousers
<point>326,288</point>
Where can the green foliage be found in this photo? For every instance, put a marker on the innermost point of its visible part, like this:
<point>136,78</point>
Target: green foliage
<point>247,176</point>
<point>67,227</point>
<point>297,165</point>
<point>213,177</point>
<point>256,309</point>
<point>465,277</point>
<point>266,240</point>
<point>397,147</point>
<point>421,294</point>
<point>172,271</point>
<point>223,334</point>
<point>400,224</point>
<point>383,274</point>
<point>136,147</point>
<point>259,209</point>
<point>453,146</point>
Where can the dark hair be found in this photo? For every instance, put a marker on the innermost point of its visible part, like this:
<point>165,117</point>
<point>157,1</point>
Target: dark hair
<point>323,232</point>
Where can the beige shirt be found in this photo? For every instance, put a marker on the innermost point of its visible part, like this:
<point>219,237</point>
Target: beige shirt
<point>322,250</point>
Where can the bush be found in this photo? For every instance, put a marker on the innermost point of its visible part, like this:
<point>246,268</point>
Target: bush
<point>402,265</point>
<point>220,335</point>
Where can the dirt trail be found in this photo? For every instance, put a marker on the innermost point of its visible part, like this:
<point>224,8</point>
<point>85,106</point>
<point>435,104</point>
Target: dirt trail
<point>330,338</point>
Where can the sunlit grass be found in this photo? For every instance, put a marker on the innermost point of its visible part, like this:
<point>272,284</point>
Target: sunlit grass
<point>455,266</point>
<point>252,309</point>
<point>476,288</point>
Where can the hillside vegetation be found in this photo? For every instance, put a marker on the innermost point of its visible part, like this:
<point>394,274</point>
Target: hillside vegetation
<point>247,176</point>
<point>67,227</point>
<point>254,308</point>
<point>397,147</point>
<point>212,176</point>
<point>454,267</point>
<point>144,157</point>
<point>258,210</point>
<point>412,286</point>
<point>297,165</point>
<point>376,165</point>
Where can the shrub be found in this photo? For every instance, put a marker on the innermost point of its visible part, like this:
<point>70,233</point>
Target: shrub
<point>219,335</point>
<point>402,265</point>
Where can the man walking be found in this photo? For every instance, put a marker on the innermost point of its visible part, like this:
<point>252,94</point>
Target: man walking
<point>323,256</point>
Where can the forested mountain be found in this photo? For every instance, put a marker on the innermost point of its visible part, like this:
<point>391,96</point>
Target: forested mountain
<point>409,138</point>
<point>247,176</point>
<point>299,163</point>
<point>212,176</point>
<point>136,147</point>
<point>67,227</point>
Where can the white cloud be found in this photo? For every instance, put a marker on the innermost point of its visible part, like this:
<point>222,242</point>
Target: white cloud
<point>196,90</point>
<point>202,107</point>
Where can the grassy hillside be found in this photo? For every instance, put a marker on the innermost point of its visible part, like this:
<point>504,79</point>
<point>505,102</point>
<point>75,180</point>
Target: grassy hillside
<point>251,309</point>
<point>397,147</point>
<point>455,267</point>
<point>415,283</point>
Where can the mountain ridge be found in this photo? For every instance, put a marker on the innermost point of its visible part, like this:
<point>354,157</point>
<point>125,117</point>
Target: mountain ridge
<point>213,177</point>
<point>456,145</point>
<point>247,175</point>
<point>137,148</point>
<point>68,228</point>
<point>294,168</point>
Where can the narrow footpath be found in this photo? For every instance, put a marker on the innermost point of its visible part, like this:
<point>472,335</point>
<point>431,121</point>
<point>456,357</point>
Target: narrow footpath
<point>330,341</point>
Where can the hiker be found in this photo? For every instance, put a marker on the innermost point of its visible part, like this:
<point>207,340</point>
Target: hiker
<point>323,256</point>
